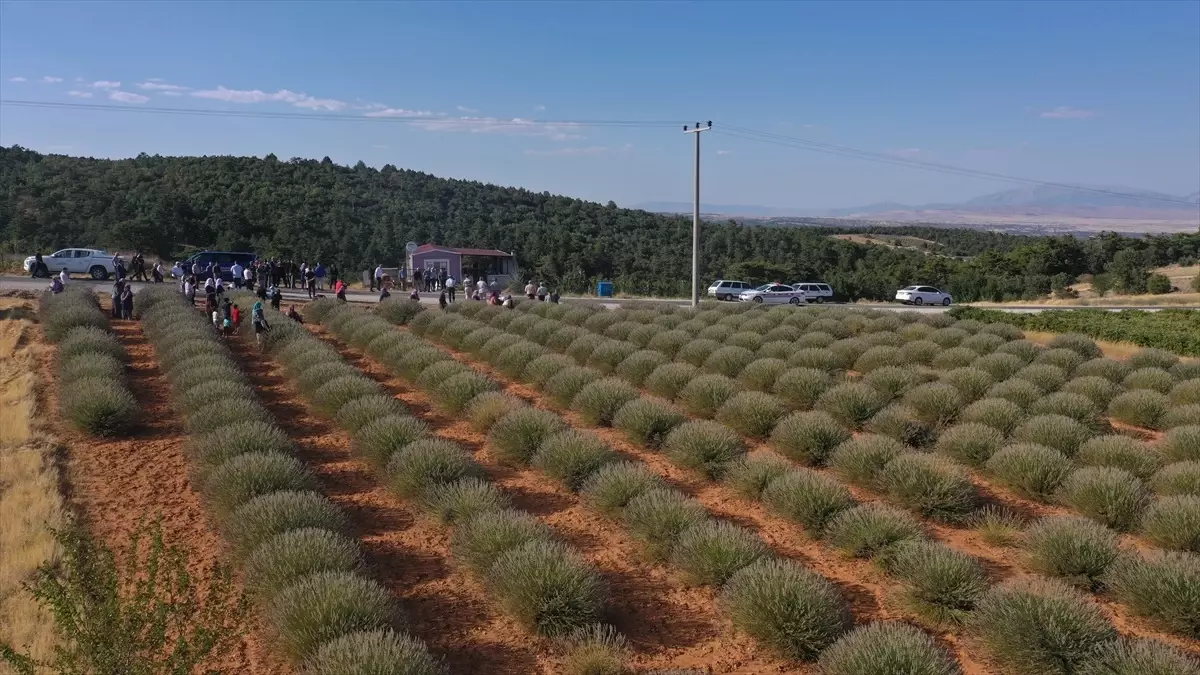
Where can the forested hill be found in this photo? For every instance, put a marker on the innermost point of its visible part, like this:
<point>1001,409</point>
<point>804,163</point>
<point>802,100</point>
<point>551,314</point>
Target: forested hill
<point>357,216</point>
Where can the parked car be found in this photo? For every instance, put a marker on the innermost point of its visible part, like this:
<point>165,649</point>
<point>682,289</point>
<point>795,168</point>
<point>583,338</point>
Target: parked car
<point>773,294</point>
<point>93,262</point>
<point>224,258</point>
<point>923,295</point>
<point>723,289</point>
<point>815,292</point>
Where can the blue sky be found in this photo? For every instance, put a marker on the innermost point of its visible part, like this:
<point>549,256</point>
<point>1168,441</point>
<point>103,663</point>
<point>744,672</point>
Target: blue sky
<point>1097,93</point>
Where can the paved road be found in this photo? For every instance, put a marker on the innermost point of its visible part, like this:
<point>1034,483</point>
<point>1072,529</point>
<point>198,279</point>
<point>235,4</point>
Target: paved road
<point>8,283</point>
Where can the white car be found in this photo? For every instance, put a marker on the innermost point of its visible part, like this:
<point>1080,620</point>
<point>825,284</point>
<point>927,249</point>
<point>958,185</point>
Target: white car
<point>923,295</point>
<point>773,294</point>
<point>724,289</point>
<point>95,263</point>
<point>815,292</point>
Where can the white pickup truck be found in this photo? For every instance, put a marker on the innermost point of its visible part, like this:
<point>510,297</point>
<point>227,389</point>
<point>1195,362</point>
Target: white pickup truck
<point>96,263</point>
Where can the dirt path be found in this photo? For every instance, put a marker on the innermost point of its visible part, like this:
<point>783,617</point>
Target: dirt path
<point>115,484</point>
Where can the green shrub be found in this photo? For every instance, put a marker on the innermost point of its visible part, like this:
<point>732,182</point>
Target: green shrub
<point>246,476</point>
<point>761,374</point>
<point>815,340</point>
<point>1181,443</point>
<point>567,383</point>
<point>971,383</point>
<point>492,348</point>
<point>1076,406</point>
<point>971,443</point>
<point>869,529</point>
<point>657,517</point>
<point>1182,415</point>
<point>1032,471</point>
<point>704,447</point>
<point>646,422</point>
<point>598,402</point>
<point>1075,549</point>
<point>1000,366</point>
<point>958,357</point>
<point>636,367</point>
<point>777,349</point>
<point>1047,377</point>
<point>372,652</point>
<point>718,332</point>
<point>412,363</point>
<point>400,311</point>
<point>705,394</point>
<point>643,334</point>
<point>481,540</point>
<point>800,388</point>
<point>518,435</point>
<point>1121,452</point>
<point>547,588</point>
<point>1066,359</point>
<point>751,413</point>
<point>814,358</point>
<point>921,352</point>
<point>268,515</point>
<point>540,370</point>
<point>487,408</point>
<point>998,413</point>
<point>1108,495</point>
<point>91,341</point>
<point>1187,391</point>
<point>455,394</point>
<point>1004,330</point>
<point>669,379</point>
<point>458,502</point>
<point>710,552</point>
<point>807,497</point>
<point>476,339</point>
<point>105,367</point>
<point>878,357</point>
<point>1162,586</point>
<point>427,462</point>
<point>808,437</point>
<point>332,395</point>
<point>697,351</point>
<point>1174,523</point>
<point>892,381</point>
<point>216,390</point>
<point>901,423</point>
<point>930,486</point>
<point>792,610</point>
<point>1097,389</point>
<point>1180,478</point>
<point>515,358</point>
<point>1053,431</point>
<point>438,372</point>
<point>542,331</point>
<point>948,337</point>
<point>851,404</point>
<point>858,461</point>
<point>749,475</point>
<point>884,649</point>
<point>1185,370</point>
<point>1078,343</point>
<point>1139,657</point>
<point>940,583</point>
<point>609,354</point>
<point>729,360</point>
<point>172,355</point>
<point>596,649</point>
<point>1020,392</point>
<point>292,555</point>
<point>58,322</point>
<point>1110,369</point>
<point>1153,358</point>
<point>669,342</point>
<point>571,457</point>
<point>612,486</point>
<point>997,525</point>
<point>983,343</point>
<point>360,412</point>
<point>97,407</point>
<point>315,374</point>
<point>1035,625</point>
<point>253,437</point>
<point>324,606</point>
<point>1139,408</point>
<point>381,439</point>
<point>1154,379</point>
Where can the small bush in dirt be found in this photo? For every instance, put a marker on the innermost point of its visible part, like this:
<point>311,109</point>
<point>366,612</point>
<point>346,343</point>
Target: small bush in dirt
<point>1153,358</point>
<point>794,611</point>
<point>598,402</point>
<point>1139,408</point>
<point>930,486</point>
<point>1053,431</point>
<point>669,342</point>
<point>800,388</point>
<point>718,332</point>
<point>93,405</point>
<point>1075,406</point>
<point>547,588</point>
<point>1187,391</point>
<point>1181,443</point>
<point>878,357</point>
<point>1032,471</point>
<point>1078,343</point>
<point>998,413</point>
<point>246,476</point>
<point>728,361</point>
<point>314,375</point>
<point>1034,625</point>
<point>368,652</point>
<point>1047,377</point>
<point>572,456</point>
<point>518,435</point>
<point>514,359</point>
<point>1178,416</point>
<point>1185,370</point>
<point>428,462</point>
<point>324,606</point>
<point>481,540</point>
<point>1180,478</point>
<point>609,354</point>
<point>1139,657</point>
<point>1110,369</point>
<point>704,447</point>
<point>541,369</point>
<point>1121,452</point>
<point>399,311</point>
<point>851,404</point>
<point>669,379</point>
<point>457,502</point>
<point>971,383</point>
<point>808,498</point>
<point>204,393</point>
<point>1162,586</point>
<point>983,343</point>
<point>971,443</point>
<point>999,366</point>
<point>815,359</point>
<point>172,355</point>
<point>440,371</point>
<point>492,348</point>
<point>886,648</point>
<point>1173,523</point>
<point>997,525</point>
<point>253,437</point>
<point>646,422</point>
<point>596,649</point>
<point>941,584</point>
<point>412,363</point>
<point>487,408</point>
<point>57,323</point>
<point>455,394</point>
<point>858,461</point>
<point>1004,330</point>
<point>636,367</point>
<point>697,351</point>
<point>936,403</point>
<point>808,437</point>
<point>749,475</point>
<point>948,337</point>
<point>1021,392</point>
<point>709,552</point>
<point>542,331</point>
<point>657,517</point>
<point>475,340</point>
<point>1076,549</point>
<point>643,334</point>
<point>705,394</point>
<point>98,366</point>
<point>268,515</point>
<point>1066,359</point>
<point>901,423</point>
<point>609,488</point>
<point>292,555</point>
<point>567,383</point>
<point>868,530</point>
<point>958,357</point>
<point>332,395</point>
<point>1097,389</point>
<point>815,340</point>
<point>89,340</point>
<point>379,440</point>
<point>751,413</point>
<point>1154,379</point>
<point>1108,495</point>
<point>921,352</point>
<point>892,381</point>
<point>761,374</point>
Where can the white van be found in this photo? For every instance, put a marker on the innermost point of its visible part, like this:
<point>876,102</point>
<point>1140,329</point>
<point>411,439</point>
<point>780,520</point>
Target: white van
<point>815,292</point>
<point>723,289</point>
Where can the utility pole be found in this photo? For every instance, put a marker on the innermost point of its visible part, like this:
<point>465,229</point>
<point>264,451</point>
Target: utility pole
<point>696,215</point>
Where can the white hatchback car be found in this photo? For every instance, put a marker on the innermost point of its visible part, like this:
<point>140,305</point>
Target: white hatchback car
<point>93,262</point>
<point>773,294</point>
<point>724,289</point>
<point>923,295</point>
<point>815,292</point>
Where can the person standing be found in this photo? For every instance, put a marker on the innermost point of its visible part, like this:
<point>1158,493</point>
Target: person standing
<point>189,290</point>
<point>319,272</point>
<point>333,275</point>
<point>339,290</point>
<point>236,272</point>
<point>248,278</point>
<point>450,287</point>
<point>35,270</point>
<point>259,317</point>
<point>276,298</point>
<point>416,278</point>
<point>118,287</point>
<point>310,282</point>
<point>530,289</point>
<point>402,275</point>
<point>378,276</point>
<point>63,276</point>
<point>158,273</point>
<point>442,300</point>
<point>542,292</point>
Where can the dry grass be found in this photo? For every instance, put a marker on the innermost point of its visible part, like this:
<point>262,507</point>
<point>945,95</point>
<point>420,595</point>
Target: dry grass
<point>1113,350</point>
<point>30,502</point>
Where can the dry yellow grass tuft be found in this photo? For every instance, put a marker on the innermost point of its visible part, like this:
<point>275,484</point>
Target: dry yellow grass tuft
<point>30,501</point>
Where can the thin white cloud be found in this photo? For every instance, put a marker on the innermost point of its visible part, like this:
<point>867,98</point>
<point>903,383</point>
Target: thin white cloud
<point>539,108</point>
<point>105,84</point>
<point>18,78</point>
<point>1064,112</point>
<point>154,79</point>
<point>127,97</point>
<point>555,131</point>
<point>571,152</point>
<point>171,93</point>
<point>298,99</point>
<point>50,79</point>
<point>465,109</point>
<point>79,94</point>
<point>724,152</point>
<point>399,112</point>
<point>159,85</point>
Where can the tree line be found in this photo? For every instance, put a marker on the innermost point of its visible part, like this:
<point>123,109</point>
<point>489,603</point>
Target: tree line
<point>356,217</point>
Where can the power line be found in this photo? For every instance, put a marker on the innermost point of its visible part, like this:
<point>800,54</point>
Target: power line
<point>881,158</point>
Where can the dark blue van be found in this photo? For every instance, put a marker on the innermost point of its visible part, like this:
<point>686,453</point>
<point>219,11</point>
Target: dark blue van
<point>223,258</point>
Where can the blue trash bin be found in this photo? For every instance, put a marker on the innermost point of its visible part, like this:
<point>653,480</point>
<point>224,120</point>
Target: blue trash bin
<point>604,289</point>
